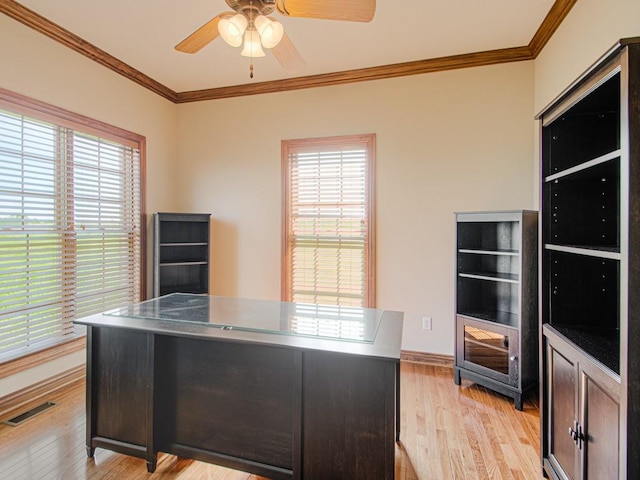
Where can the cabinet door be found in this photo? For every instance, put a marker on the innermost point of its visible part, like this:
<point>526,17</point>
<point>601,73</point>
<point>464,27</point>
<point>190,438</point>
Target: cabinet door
<point>583,416</point>
<point>488,349</point>
<point>601,422</point>
<point>563,414</point>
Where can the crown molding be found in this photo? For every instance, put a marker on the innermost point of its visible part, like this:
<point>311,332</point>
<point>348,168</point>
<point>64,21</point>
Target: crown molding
<point>54,31</point>
<point>552,21</point>
<point>559,10</point>
<point>452,62</point>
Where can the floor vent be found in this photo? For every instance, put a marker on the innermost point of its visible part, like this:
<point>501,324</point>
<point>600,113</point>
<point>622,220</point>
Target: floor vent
<point>23,417</point>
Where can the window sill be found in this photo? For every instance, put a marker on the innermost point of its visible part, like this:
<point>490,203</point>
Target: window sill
<point>25,362</point>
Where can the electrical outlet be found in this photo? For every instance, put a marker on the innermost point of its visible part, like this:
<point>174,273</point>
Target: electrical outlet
<point>426,323</point>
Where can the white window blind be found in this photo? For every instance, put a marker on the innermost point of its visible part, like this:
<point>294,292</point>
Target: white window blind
<point>70,239</point>
<point>328,240</point>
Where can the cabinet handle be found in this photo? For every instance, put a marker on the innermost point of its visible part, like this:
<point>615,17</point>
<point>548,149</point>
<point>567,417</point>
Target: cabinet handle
<point>576,434</point>
<point>580,437</point>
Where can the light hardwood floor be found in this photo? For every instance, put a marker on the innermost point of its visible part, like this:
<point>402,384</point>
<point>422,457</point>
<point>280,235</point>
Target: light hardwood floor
<point>448,432</point>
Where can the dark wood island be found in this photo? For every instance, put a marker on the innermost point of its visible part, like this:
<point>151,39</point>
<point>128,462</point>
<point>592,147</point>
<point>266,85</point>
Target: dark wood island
<point>282,390</point>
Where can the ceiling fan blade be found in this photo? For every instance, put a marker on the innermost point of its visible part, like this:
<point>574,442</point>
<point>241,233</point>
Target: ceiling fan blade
<point>288,56</point>
<point>348,10</point>
<point>206,34</point>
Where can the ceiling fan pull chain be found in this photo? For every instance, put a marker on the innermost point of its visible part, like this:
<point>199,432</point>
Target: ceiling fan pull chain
<point>251,24</point>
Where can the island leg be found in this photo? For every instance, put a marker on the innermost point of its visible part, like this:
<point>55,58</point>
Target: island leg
<point>398,402</point>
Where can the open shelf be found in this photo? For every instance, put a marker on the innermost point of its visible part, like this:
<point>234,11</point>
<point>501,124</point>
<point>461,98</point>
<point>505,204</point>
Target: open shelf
<point>589,129</point>
<point>585,166</point>
<point>182,264</point>
<point>497,266</point>
<point>479,295</point>
<point>183,231</point>
<point>602,345</point>
<point>583,209</point>
<point>181,253</point>
<point>588,250</point>
<point>583,301</point>
<point>496,236</point>
<point>492,276</point>
<point>184,244</point>
<point>513,253</point>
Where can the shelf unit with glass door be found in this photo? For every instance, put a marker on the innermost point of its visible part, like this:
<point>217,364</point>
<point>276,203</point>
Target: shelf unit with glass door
<point>496,301</point>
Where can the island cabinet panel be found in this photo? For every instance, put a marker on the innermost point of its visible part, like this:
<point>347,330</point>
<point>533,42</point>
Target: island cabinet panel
<point>347,405</point>
<point>224,397</point>
<point>120,391</point>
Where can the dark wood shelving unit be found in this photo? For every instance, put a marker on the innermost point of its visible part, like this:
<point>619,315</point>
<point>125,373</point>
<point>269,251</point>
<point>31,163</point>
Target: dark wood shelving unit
<point>496,301</point>
<point>181,253</point>
<point>590,272</point>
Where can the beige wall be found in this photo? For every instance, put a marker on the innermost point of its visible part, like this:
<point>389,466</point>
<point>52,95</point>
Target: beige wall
<point>33,65</point>
<point>446,142</point>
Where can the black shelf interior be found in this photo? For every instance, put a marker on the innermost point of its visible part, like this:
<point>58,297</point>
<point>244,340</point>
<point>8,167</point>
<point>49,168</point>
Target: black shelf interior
<point>488,300</point>
<point>183,253</point>
<point>588,130</point>
<point>490,236</point>
<point>583,209</point>
<point>184,232</point>
<point>184,279</point>
<point>604,346</point>
<point>582,298</point>
<point>495,297</point>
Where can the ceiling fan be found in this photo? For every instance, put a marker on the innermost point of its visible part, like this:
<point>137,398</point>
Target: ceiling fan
<point>249,24</point>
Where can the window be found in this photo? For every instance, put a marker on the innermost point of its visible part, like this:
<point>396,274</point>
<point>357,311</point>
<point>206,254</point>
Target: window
<point>328,239</point>
<point>70,222</point>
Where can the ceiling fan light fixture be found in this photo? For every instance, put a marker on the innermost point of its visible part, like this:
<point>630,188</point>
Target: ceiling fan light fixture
<point>252,47</point>
<point>232,29</point>
<point>270,31</point>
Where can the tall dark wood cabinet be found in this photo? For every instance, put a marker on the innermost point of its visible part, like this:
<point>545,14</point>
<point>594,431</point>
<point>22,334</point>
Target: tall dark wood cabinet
<point>181,253</point>
<point>590,272</point>
<point>496,301</point>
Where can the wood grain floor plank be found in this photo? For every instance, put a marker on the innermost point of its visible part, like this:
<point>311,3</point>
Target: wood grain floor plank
<point>447,432</point>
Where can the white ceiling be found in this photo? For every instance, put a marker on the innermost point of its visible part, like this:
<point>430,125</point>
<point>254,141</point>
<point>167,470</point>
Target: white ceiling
<point>142,33</point>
